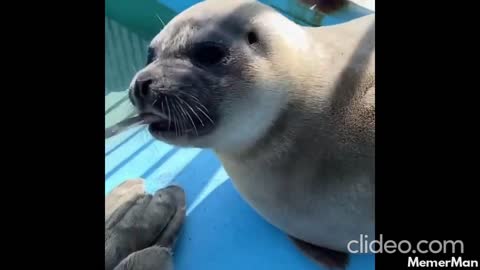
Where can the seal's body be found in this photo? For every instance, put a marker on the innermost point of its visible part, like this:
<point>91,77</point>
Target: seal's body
<point>312,174</point>
<point>289,110</point>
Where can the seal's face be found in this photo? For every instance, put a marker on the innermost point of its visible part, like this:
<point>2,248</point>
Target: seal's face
<point>210,71</point>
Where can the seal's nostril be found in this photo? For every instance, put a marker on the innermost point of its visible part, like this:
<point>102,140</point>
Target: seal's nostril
<point>142,88</point>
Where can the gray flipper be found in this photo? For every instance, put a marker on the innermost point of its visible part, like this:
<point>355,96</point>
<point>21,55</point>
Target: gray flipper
<point>151,258</point>
<point>133,231</point>
<point>129,190</point>
<point>169,235</point>
<point>325,257</point>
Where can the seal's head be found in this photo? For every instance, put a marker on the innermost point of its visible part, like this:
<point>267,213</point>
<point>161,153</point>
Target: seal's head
<point>220,73</point>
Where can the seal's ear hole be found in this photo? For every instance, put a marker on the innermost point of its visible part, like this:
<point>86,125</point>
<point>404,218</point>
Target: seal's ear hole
<point>252,37</point>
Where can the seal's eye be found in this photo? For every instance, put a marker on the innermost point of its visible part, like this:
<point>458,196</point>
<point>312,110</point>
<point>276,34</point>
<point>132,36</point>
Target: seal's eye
<point>252,37</point>
<point>150,55</point>
<point>207,54</point>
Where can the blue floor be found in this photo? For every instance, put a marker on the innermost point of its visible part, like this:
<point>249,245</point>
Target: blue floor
<point>221,231</point>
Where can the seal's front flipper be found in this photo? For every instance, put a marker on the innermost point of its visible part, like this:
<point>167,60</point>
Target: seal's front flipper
<point>326,257</point>
<point>151,258</point>
<point>159,255</point>
<point>141,223</point>
<point>129,191</point>
<point>169,234</point>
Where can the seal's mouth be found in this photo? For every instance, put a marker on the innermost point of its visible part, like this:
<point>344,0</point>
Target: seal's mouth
<point>180,125</point>
<point>161,126</point>
<point>175,113</point>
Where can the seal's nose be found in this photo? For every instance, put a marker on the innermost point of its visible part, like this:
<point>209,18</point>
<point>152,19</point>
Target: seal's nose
<point>141,89</point>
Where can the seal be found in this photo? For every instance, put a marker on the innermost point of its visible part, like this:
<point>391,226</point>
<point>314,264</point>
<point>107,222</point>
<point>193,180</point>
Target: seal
<point>289,110</point>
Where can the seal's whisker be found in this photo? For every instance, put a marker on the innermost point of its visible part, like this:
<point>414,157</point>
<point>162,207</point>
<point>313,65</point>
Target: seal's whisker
<point>193,122</point>
<point>184,121</point>
<point>155,101</point>
<point>206,115</point>
<point>133,69</point>
<point>168,108</point>
<point>160,19</point>
<point>177,116</point>
<point>201,105</point>
<point>183,118</point>
<point>188,115</point>
<point>190,107</point>
<point>175,119</point>
<point>175,124</point>
<point>182,113</point>
<point>195,99</point>
<point>178,122</point>
<point>190,95</point>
